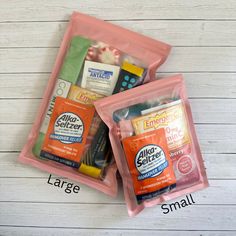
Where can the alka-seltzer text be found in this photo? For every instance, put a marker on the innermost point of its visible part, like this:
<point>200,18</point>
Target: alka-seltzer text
<point>187,201</point>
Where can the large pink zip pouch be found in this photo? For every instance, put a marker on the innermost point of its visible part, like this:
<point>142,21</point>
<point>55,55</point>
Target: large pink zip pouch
<point>96,59</point>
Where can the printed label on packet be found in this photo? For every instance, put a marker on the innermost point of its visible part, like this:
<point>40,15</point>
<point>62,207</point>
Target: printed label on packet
<point>149,163</point>
<point>87,97</point>
<point>83,96</point>
<point>171,117</point>
<point>100,78</point>
<point>68,129</point>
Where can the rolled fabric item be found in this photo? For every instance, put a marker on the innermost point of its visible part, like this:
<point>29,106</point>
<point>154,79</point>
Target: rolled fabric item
<point>69,73</point>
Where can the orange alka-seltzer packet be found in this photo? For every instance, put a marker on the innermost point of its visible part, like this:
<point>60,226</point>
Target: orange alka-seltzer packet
<point>67,132</point>
<point>149,163</point>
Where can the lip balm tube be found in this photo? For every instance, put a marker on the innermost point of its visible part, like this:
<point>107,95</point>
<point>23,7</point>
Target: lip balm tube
<point>90,170</point>
<point>69,73</point>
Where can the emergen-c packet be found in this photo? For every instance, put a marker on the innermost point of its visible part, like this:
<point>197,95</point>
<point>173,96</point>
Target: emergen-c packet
<point>96,59</point>
<point>154,142</point>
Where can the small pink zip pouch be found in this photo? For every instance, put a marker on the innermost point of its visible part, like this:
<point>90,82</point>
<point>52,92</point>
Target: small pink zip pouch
<point>154,142</point>
<point>95,59</point>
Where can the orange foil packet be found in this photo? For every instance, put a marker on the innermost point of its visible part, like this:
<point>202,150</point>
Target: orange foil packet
<point>67,132</point>
<point>149,163</point>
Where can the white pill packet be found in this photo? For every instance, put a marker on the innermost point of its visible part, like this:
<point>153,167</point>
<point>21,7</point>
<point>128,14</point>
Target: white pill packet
<point>100,78</point>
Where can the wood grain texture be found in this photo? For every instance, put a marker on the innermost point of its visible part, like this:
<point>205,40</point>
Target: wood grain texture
<point>203,34</point>
<point>182,59</point>
<point>199,85</point>
<point>29,231</point>
<point>153,9</point>
<point>174,32</point>
<point>38,190</point>
<point>204,110</point>
<point>199,217</point>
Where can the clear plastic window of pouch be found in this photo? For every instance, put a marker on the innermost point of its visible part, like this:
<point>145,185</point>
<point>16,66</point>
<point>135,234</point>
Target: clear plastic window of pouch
<point>156,141</point>
<point>72,134</point>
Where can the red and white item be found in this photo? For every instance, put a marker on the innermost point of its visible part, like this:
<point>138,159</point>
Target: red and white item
<point>92,54</point>
<point>109,55</point>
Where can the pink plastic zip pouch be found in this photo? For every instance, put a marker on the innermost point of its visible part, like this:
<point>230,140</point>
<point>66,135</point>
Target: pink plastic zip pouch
<point>96,59</point>
<point>154,142</point>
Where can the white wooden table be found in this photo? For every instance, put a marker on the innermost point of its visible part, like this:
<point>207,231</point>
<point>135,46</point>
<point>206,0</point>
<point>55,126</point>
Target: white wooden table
<point>203,35</point>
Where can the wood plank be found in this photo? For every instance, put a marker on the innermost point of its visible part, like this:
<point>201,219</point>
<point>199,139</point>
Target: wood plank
<point>174,32</point>
<point>195,59</point>
<point>204,110</point>
<point>215,168</point>
<point>115,216</point>
<point>213,138</point>
<point>37,190</point>
<point>182,59</point>
<point>29,231</point>
<point>20,60</point>
<point>9,167</point>
<point>19,110</point>
<point>214,110</point>
<point>153,9</point>
<point>207,85</point>
<point>23,85</point>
